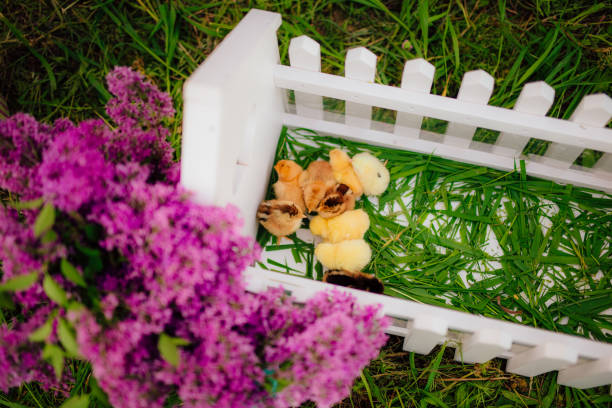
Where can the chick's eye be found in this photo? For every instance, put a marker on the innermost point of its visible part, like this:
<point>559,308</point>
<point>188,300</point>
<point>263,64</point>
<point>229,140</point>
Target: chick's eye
<point>379,175</point>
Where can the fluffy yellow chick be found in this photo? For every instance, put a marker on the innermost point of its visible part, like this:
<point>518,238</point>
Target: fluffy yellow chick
<point>350,225</point>
<point>352,255</point>
<point>287,188</point>
<point>279,217</point>
<point>343,171</point>
<point>315,181</point>
<point>372,173</point>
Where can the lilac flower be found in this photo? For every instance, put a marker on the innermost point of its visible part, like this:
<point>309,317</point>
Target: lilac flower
<point>146,263</point>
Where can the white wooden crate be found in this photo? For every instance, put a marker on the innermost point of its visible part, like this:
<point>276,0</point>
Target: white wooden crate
<point>235,106</point>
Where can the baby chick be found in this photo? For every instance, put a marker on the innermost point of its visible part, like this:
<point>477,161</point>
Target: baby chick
<point>343,171</point>
<point>280,217</point>
<point>287,188</point>
<point>337,200</point>
<point>356,280</point>
<point>352,255</point>
<point>350,225</point>
<point>315,181</point>
<point>372,173</point>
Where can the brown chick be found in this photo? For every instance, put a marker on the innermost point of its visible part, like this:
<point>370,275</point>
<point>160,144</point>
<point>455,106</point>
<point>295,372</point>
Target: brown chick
<point>356,280</point>
<point>337,200</point>
<point>315,181</point>
<point>287,188</point>
<point>280,217</point>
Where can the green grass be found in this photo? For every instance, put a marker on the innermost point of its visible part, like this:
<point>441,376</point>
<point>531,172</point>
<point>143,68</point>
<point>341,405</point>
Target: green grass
<point>54,56</point>
<point>431,234</point>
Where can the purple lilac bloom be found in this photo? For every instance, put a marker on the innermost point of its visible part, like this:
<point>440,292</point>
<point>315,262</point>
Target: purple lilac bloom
<point>153,264</point>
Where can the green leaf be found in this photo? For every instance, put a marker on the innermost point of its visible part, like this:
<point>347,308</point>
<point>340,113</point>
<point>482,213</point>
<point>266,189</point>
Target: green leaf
<point>168,348</point>
<point>78,401</point>
<point>97,392</point>
<point>49,237</point>
<point>54,291</point>
<point>20,282</point>
<point>45,220</point>
<point>71,273</point>
<point>43,332</point>
<point>27,205</point>
<point>6,301</point>
<point>55,356</point>
<point>67,337</point>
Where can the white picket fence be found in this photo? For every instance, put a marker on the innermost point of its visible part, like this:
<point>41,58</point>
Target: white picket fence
<point>235,105</point>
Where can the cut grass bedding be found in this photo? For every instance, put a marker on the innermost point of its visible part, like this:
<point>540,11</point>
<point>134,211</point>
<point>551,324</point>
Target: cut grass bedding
<point>499,244</point>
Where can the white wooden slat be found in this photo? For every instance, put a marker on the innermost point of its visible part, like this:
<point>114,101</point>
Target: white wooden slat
<point>305,53</point>
<point>257,277</point>
<point>536,98</point>
<point>441,107</point>
<point>223,88</point>
<point>542,359</point>
<point>483,346</point>
<point>476,87</point>
<point>360,65</point>
<point>425,333</point>
<point>593,110</point>
<point>600,181</point>
<point>587,375</point>
<point>417,77</point>
<point>604,164</point>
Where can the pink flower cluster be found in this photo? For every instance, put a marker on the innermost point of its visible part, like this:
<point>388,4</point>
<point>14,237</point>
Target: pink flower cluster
<point>158,304</point>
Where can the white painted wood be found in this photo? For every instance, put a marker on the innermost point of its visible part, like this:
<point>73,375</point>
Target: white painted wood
<point>593,110</point>
<point>417,77</point>
<point>234,99</point>
<point>536,98</point>
<point>450,109</point>
<point>360,65</point>
<point>305,53</point>
<point>483,346</point>
<point>577,177</point>
<point>476,88</point>
<point>604,164</point>
<point>587,375</point>
<point>425,333</point>
<point>231,118</point>
<point>408,310</point>
<point>542,359</point>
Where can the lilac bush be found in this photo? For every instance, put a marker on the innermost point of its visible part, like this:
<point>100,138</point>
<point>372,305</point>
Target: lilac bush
<point>106,259</point>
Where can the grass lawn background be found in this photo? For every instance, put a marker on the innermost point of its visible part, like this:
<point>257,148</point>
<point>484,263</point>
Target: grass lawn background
<point>55,54</point>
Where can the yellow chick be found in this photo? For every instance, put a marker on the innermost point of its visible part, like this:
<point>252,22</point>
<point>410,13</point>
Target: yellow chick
<point>343,171</point>
<point>315,181</point>
<point>280,218</point>
<point>372,173</point>
<point>352,255</point>
<point>287,188</point>
<point>350,225</point>
<point>337,200</point>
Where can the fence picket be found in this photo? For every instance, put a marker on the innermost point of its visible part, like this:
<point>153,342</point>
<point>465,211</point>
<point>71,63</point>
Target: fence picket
<point>418,77</point>
<point>542,359</point>
<point>424,334</point>
<point>483,346</point>
<point>593,110</point>
<point>305,53</point>
<point>536,98</point>
<point>587,375</point>
<point>360,65</point>
<point>476,87</point>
